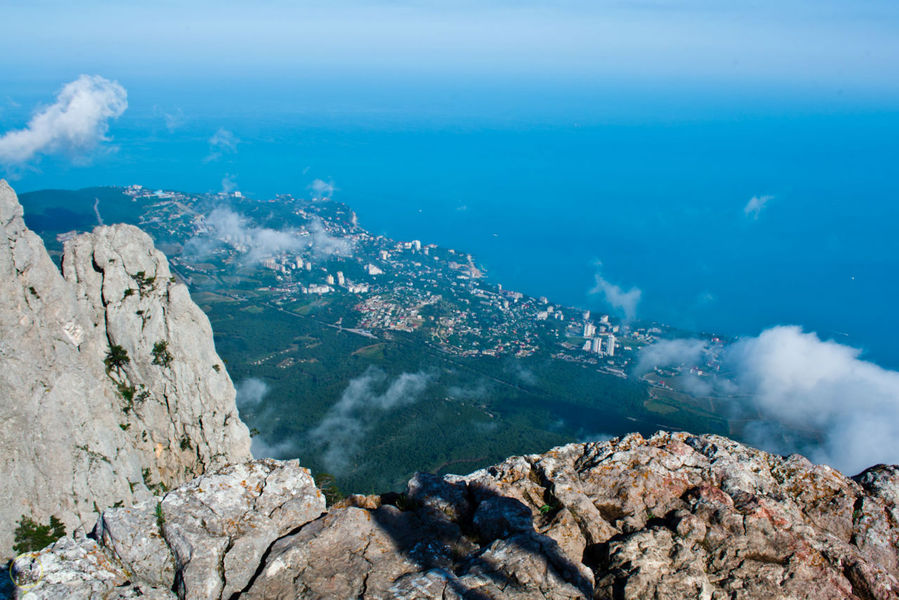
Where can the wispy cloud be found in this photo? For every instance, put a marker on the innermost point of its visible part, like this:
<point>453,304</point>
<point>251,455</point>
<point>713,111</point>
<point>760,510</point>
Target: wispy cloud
<point>344,426</point>
<point>623,301</point>
<point>795,381</point>
<point>322,189</point>
<point>469,392</point>
<point>228,183</point>
<point>75,125</point>
<point>256,243</point>
<point>251,392</point>
<point>261,447</point>
<point>520,372</point>
<point>221,143</point>
<point>322,244</point>
<point>669,353</point>
<point>755,206</point>
<point>174,120</point>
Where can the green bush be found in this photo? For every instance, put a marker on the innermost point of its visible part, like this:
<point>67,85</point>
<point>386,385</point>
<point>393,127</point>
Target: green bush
<point>161,354</point>
<point>31,536</point>
<point>116,358</point>
<point>144,283</point>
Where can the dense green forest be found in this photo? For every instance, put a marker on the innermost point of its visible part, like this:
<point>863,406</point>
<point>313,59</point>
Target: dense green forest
<point>472,412</point>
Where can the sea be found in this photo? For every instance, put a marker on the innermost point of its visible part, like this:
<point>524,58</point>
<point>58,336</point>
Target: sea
<point>730,209</point>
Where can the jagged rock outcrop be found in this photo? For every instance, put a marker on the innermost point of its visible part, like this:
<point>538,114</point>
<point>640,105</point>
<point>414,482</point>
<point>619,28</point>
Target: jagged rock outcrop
<point>77,437</point>
<point>673,516</point>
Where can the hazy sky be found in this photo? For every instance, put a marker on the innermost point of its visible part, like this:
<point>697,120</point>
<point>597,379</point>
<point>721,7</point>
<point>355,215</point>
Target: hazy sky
<point>850,46</point>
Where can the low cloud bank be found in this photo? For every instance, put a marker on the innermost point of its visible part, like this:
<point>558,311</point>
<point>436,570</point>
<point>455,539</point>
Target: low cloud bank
<point>75,125</point>
<point>257,243</point>
<point>345,424</point>
<point>795,380</point>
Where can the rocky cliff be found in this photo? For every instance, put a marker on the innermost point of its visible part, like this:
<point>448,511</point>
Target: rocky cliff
<point>673,516</point>
<point>83,429</point>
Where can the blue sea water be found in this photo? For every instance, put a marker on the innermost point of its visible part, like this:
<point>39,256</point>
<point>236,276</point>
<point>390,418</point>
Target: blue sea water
<point>548,185</point>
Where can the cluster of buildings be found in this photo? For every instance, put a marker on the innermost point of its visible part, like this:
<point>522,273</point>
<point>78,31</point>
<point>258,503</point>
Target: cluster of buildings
<point>386,312</point>
<point>599,338</point>
<point>411,286</point>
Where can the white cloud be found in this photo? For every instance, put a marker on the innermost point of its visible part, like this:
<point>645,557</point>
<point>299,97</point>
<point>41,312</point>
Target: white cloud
<point>174,120</point>
<point>624,301</point>
<point>73,125</point>
<point>255,243</point>
<point>515,368</point>
<point>261,448</point>
<point>323,244</point>
<point>792,381</point>
<point>322,189</point>
<point>250,392</point>
<point>755,206</point>
<point>345,424</point>
<point>462,392</point>
<point>669,353</point>
<point>222,142</point>
<point>228,183</point>
<point>803,382</point>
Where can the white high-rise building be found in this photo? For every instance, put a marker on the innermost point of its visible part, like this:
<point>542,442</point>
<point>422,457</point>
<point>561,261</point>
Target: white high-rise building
<point>340,279</point>
<point>330,279</point>
<point>589,330</point>
<point>610,345</point>
<point>417,245</point>
<point>596,345</point>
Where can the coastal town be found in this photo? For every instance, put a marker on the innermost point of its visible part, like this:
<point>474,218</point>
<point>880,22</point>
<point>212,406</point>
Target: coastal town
<point>313,253</point>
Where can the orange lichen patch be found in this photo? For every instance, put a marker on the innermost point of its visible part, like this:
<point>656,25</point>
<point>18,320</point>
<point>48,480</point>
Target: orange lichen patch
<point>359,501</point>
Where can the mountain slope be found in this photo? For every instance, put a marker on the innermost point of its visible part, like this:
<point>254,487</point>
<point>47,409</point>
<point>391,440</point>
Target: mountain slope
<point>78,434</point>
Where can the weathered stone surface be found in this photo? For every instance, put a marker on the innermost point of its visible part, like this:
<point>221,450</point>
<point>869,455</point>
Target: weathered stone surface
<point>134,536</point>
<point>672,516</point>
<point>79,570</point>
<point>205,539</point>
<point>220,525</point>
<point>70,443</point>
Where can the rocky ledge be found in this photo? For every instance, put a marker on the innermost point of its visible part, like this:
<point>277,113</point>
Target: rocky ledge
<point>672,516</point>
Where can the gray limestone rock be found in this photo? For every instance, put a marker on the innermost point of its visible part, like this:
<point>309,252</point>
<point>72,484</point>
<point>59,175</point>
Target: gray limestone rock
<point>672,516</point>
<point>76,439</point>
<point>205,539</point>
